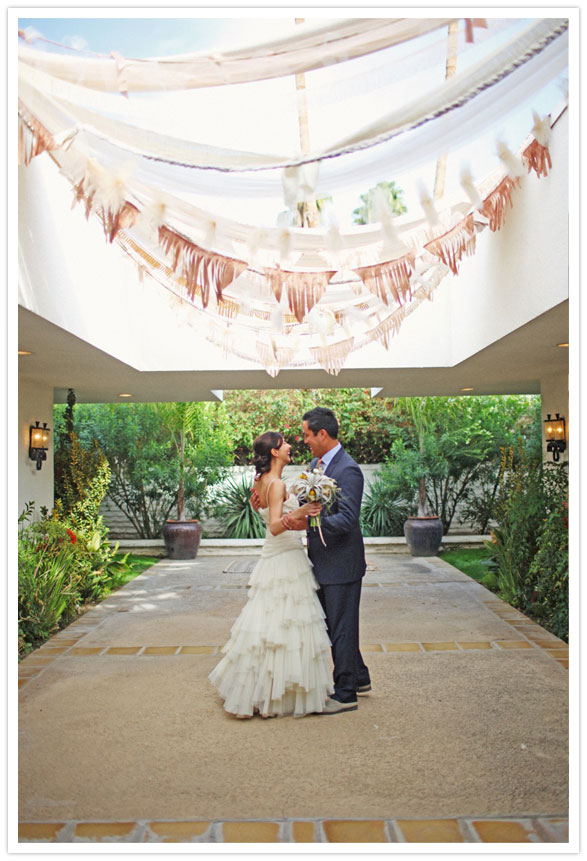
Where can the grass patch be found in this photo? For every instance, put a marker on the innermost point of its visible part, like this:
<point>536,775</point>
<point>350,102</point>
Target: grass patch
<point>472,562</point>
<point>137,564</point>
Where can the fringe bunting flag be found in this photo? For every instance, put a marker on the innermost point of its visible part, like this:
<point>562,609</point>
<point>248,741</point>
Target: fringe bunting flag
<point>451,246</point>
<point>273,357</point>
<point>303,289</point>
<point>115,221</point>
<point>33,137</point>
<point>389,279</point>
<point>495,204</point>
<point>536,157</point>
<point>332,357</point>
<point>198,266</point>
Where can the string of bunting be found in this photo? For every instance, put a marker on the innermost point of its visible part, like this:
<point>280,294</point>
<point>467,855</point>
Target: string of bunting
<point>196,271</point>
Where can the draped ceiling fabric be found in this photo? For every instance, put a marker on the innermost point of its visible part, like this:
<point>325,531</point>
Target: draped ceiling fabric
<point>280,295</point>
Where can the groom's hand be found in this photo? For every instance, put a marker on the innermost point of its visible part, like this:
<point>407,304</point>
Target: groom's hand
<point>255,500</point>
<point>291,522</point>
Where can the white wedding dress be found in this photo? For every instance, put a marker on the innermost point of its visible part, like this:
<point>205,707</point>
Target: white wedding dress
<point>277,660</point>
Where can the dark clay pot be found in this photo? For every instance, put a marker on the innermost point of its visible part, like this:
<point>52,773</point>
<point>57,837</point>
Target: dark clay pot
<point>423,535</point>
<point>182,538</point>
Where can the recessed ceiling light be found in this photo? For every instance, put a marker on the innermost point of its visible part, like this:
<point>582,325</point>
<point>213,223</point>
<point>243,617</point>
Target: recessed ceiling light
<point>468,389</point>
<point>563,344</point>
<point>124,395</point>
<point>24,353</point>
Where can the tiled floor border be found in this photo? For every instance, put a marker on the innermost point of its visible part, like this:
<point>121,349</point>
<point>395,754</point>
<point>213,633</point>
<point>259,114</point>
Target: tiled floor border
<point>463,829</point>
<point>39,660</point>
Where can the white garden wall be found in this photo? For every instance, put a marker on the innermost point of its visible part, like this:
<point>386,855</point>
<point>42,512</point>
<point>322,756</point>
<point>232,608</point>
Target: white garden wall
<point>35,403</point>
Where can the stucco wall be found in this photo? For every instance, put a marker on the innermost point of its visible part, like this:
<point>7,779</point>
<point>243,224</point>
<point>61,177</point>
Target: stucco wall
<point>35,403</point>
<point>554,391</point>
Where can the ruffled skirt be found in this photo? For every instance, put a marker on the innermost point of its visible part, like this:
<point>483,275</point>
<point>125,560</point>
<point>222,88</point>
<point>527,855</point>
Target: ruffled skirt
<point>277,660</point>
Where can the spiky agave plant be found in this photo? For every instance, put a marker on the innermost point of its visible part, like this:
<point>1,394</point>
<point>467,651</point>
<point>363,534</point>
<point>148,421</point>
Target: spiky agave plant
<point>234,509</point>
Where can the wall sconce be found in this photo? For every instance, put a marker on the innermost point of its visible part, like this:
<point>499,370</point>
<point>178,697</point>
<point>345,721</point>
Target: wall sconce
<point>38,443</point>
<point>556,440</point>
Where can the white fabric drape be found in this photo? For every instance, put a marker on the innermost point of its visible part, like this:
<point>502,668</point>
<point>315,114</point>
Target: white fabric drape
<point>454,93</point>
<point>309,47</point>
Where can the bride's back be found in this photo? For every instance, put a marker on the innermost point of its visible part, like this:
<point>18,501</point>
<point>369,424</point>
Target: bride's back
<point>262,487</point>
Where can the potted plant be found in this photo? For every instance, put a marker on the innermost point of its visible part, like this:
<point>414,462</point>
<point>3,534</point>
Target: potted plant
<point>424,530</point>
<point>200,458</point>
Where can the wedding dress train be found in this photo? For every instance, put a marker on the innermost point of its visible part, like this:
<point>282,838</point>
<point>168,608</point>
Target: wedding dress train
<point>277,660</point>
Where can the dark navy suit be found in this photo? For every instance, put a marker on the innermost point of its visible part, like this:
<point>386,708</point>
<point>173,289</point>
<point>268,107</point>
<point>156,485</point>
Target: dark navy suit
<point>339,568</point>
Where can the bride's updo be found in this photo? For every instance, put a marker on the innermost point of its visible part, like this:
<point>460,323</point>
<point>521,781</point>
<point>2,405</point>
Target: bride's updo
<point>262,451</point>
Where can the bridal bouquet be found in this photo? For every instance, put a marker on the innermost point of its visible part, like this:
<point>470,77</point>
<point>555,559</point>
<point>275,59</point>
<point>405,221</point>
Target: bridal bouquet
<point>314,486</point>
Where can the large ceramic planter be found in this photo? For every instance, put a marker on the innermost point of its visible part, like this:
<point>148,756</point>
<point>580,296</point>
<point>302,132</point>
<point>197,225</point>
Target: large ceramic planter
<point>182,538</point>
<point>423,535</point>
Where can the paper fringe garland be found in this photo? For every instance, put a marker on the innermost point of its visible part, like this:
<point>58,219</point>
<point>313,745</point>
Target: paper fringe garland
<point>333,356</point>
<point>33,137</point>
<point>495,204</point>
<point>536,157</point>
<point>452,245</point>
<point>390,279</point>
<point>201,270</point>
<point>303,289</point>
<point>198,266</point>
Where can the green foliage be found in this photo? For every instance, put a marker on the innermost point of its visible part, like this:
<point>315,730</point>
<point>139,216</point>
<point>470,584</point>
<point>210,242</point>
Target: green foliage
<point>451,444</point>
<point>151,450</point>
<point>520,512</point>
<point>47,578</point>
<point>529,544</point>
<point>201,451</point>
<point>46,592</point>
<point>369,210</point>
<point>367,425</point>
<point>53,556</point>
<point>383,512</point>
<point>549,571</point>
<point>82,473</point>
<point>232,507</point>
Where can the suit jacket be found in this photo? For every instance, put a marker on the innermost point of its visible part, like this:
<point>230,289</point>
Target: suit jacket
<point>343,558</point>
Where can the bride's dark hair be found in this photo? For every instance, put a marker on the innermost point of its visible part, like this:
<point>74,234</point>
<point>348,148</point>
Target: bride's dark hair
<point>262,450</point>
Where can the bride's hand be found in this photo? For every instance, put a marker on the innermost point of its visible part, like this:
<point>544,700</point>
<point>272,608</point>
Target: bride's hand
<point>310,509</point>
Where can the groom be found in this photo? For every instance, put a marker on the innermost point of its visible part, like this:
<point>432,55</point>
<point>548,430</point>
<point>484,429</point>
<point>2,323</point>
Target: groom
<point>340,566</point>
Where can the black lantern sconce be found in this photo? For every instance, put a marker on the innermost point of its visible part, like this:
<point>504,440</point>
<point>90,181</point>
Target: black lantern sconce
<point>556,440</point>
<point>39,443</point>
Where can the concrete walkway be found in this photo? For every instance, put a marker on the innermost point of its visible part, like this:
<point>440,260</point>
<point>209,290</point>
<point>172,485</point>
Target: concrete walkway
<point>463,739</point>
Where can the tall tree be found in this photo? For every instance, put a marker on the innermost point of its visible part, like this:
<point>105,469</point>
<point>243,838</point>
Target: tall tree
<point>369,209</point>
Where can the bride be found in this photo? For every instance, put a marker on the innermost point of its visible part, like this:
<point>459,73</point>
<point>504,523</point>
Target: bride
<point>277,660</point>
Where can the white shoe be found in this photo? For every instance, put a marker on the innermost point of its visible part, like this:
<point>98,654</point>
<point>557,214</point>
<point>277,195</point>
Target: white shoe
<point>334,707</point>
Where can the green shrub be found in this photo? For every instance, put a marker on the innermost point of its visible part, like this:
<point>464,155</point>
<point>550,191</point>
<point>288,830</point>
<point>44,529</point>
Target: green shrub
<point>47,579</point>
<point>383,512</point>
<point>549,571</point>
<point>233,509</point>
<point>529,544</point>
<point>53,557</point>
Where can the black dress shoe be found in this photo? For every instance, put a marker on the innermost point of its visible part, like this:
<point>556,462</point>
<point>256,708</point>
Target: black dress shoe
<point>363,689</point>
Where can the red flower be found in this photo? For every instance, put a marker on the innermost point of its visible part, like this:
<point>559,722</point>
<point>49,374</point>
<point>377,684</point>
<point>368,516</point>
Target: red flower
<point>297,438</point>
<point>72,536</point>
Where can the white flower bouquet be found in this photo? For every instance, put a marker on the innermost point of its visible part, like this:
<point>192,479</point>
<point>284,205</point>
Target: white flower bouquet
<point>314,486</point>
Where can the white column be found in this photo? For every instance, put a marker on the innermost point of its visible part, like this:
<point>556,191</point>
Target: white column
<point>35,403</point>
<point>554,391</point>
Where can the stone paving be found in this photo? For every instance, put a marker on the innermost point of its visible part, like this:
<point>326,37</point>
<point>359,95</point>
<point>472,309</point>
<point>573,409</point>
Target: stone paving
<point>463,739</point>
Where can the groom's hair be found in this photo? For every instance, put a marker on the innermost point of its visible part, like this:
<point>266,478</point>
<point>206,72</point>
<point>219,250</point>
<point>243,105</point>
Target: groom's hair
<point>321,418</point>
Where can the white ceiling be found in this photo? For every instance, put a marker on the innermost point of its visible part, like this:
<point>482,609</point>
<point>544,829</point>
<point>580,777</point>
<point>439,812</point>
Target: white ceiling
<point>514,364</point>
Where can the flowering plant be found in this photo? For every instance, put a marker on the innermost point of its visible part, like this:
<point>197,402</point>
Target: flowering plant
<point>314,486</point>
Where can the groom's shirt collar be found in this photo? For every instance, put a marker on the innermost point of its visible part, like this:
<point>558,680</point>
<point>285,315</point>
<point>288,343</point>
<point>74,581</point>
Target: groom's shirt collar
<point>326,458</point>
